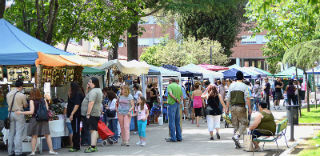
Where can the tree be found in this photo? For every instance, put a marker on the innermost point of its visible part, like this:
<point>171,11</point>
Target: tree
<point>2,7</point>
<point>223,24</point>
<point>287,24</point>
<point>304,55</point>
<point>189,51</point>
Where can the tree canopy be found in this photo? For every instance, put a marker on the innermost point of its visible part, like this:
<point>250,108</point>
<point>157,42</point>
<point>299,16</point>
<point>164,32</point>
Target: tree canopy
<point>188,51</point>
<point>287,24</point>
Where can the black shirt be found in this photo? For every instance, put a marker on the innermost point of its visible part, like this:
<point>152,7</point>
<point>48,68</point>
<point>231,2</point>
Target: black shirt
<point>154,92</point>
<point>277,84</point>
<point>213,106</point>
<point>267,89</point>
<point>72,101</point>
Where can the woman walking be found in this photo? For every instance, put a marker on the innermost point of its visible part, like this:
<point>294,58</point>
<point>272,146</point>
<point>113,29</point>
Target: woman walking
<point>38,128</point>
<point>197,102</point>
<point>124,108</point>
<point>213,112</point>
<point>91,110</point>
<point>75,99</point>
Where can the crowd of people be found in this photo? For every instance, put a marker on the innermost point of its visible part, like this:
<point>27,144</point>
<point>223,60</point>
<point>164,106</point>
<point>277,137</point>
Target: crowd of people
<point>117,106</point>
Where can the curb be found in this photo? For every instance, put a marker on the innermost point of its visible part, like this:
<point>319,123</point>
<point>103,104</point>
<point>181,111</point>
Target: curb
<point>288,151</point>
<point>309,124</point>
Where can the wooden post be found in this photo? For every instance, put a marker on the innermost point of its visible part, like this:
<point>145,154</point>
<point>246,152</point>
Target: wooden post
<point>38,78</point>
<point>299,101</point>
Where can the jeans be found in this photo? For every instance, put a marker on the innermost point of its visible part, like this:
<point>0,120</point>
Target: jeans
<point>113,126</point>
<point>75,123</point>
<point>266,98</point>
<point>174,122</point>
<point>292,98</point>
<point>105,118</point>
<point>142,125</point>
<point>15,134</point>
<point>254,105</point>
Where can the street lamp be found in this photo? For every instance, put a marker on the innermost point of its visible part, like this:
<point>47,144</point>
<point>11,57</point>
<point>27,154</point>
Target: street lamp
<point>211,54</point>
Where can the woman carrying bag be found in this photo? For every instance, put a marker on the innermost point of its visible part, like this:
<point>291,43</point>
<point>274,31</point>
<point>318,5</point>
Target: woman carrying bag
<point>39,124</point>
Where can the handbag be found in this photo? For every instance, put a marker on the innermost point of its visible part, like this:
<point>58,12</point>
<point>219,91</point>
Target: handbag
<point>111,113</point>
<point>7,120</point>
<point>247,143</point>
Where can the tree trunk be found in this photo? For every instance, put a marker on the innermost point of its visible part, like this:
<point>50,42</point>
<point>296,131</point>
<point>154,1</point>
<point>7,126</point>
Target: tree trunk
<point>66,44</point>
<point>132,42</point>
<point>53,12</point>
<point>2,7</point>
<point>115,51</point>
<point>299,101</point>
<point>307,83</point>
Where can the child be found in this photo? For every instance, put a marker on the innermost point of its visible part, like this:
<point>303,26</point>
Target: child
<point>142,113</point>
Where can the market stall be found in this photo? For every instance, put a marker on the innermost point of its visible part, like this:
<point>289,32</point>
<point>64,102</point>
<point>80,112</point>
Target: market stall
<point>252,73</point>
<point>211,75</point>
<point>231,74</point>
<point>213,67</point>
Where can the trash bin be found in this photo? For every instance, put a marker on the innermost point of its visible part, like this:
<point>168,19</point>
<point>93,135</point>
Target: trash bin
<point>293,110</point>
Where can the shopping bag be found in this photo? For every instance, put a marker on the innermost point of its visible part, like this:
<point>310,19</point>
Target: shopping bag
<point>247,143</point>
<point>103,131</point>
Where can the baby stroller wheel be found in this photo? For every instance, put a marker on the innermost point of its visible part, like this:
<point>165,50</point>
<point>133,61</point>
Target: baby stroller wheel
<point>104,143</point>
<point>110,141</point>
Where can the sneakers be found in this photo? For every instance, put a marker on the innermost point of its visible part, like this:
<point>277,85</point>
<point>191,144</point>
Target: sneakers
<point>143,143</point>
<point>211,138</point>
<point>32,153</point>
<point>236,142</point>
<point>53,153</point>
<point>73,150</point>
<point>139,143</point>
<point>91,149</point>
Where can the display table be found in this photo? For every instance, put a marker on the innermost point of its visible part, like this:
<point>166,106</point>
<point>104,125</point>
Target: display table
<point>57,130</point>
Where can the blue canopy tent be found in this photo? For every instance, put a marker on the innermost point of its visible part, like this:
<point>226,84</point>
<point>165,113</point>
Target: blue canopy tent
<point>231,74</point>
<point>19,48</point>
<point>183,73</point>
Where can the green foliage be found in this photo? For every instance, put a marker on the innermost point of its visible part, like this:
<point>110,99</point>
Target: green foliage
<point>287,23</point>
<point>189,51</point>
<point>221,24</point>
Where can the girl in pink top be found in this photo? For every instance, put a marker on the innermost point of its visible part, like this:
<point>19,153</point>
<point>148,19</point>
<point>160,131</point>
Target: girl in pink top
<point>142,112</point>
<point>197,102</point>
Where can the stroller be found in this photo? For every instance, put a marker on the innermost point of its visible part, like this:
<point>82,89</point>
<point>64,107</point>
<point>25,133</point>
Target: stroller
<point>227,119</point>
<point>105,133</point>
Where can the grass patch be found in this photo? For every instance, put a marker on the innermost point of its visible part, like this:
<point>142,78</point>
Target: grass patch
<point>312,152</point>
<point>310,117</point>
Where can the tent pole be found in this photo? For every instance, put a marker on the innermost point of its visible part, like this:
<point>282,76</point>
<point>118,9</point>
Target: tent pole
<point>38,82</point>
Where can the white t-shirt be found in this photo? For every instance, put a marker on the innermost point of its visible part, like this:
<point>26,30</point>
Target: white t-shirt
<point>65,107</point>
<point>112,106</point>
<point>136,96</point>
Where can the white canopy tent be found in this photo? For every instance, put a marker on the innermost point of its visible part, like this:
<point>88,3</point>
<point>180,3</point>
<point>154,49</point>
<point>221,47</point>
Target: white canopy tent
<point>133,67</point>
<point>211,75</point>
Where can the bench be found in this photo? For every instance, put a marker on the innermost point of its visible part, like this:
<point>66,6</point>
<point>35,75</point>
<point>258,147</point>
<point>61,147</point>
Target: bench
<point>280,132</point>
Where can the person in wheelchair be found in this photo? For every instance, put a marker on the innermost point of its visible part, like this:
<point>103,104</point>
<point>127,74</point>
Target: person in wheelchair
<point>263,124</point>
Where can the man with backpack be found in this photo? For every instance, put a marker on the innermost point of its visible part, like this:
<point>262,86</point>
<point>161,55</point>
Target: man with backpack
<point>16,102</point>
<point>238,98</point>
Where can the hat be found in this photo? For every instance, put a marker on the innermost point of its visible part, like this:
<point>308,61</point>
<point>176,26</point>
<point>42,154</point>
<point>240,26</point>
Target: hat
<point>239,75</point>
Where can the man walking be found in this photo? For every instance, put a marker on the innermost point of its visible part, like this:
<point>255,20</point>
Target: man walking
<point>266,90</point>
<point>174,98</point>
<point>238,98</point>
<point>17,101</point>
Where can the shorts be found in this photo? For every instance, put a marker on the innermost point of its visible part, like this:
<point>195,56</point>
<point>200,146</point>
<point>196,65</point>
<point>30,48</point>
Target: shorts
<point>213,122</point>
<point>278,95</point>
<point>69,126</point>
<point>91,123</point>
<point>197,111</point>
<point>257,134</point>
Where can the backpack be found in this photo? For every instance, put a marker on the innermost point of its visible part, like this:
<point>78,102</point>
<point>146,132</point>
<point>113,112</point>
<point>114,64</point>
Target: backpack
<point>42,112</point>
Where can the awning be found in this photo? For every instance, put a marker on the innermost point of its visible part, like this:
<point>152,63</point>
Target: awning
<point>80,60</point>
<point>165,72</point>
<point>183,73</point>
<point>213,67</point>
<point>132,67</point>
<point>92,71</point>
<point>231,73</point>
<point>53,60</point>
<point>289,73</point>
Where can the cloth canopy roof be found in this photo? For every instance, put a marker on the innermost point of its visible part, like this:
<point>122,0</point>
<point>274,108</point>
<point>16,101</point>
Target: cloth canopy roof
<point>316,70</point>
<point>206,73</point>
<point>183,73</point>
<point>19,48</point>
<point>132,67</point>
<point>153,72</point>
<point>80,60</point>
<point>289,73</point>
<point>231,74</point>
<point>261,71</point>
<point>253,74</point>
<point>165,72</point>
<point>251,70</point>
<point>53,60</point>
<point>92,71</point>
<point>213,67</point>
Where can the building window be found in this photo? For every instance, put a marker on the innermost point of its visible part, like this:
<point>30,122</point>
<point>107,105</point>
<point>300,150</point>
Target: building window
<point>248,40</point>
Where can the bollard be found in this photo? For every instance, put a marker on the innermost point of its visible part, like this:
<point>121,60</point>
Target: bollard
<point>291,125</point>
<point>291,113</point>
